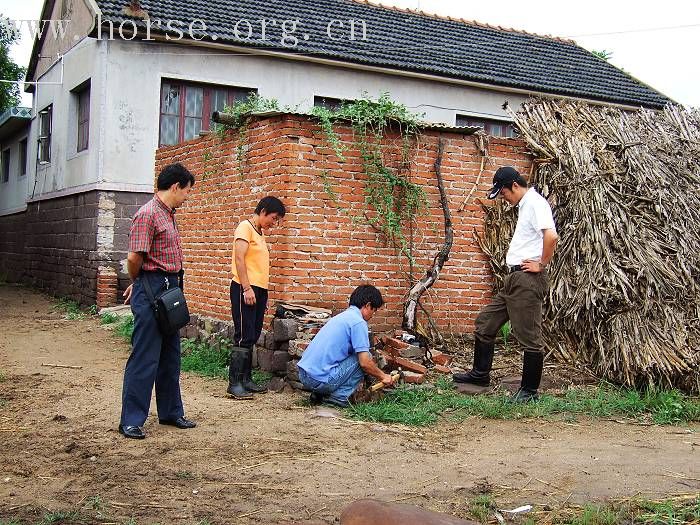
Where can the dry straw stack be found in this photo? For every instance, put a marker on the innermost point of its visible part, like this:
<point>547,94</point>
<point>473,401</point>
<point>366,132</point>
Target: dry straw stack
<point>625,189</point>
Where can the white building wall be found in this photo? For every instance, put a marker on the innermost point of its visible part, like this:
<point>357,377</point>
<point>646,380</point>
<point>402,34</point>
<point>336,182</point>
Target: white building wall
<point>125,80</point>
<point>135,71</point>
<point>68,168</point>
<point>13,192</point>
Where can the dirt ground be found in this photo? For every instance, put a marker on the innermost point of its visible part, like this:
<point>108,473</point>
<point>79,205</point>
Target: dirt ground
<point>272,460</point>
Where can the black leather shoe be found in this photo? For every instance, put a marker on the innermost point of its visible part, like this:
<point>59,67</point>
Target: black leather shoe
<point>132,432</point>
<point>180,422</point>
<point>316,399</point>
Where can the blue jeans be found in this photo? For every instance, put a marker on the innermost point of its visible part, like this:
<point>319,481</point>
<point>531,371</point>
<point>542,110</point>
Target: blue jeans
<point>341,383</point>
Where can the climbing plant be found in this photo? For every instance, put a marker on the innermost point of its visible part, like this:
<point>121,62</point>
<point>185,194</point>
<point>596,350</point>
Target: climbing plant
<point>394,200</point>
<point>390,194</point>
<point>238,117</point>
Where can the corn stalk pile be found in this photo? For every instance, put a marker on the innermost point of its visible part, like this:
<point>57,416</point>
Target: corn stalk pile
<point>625,190</point>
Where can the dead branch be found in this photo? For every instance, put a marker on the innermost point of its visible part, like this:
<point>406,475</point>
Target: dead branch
<point>432,274</point>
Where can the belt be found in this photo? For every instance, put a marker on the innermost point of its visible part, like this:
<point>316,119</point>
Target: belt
<point>516,268</point>
<point>164,273</point>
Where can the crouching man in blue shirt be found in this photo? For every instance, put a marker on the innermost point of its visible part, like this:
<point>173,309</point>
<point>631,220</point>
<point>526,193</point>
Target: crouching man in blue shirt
<point>338,357</point>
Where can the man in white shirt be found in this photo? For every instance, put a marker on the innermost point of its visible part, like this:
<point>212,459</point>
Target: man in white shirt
<point>524,288</point>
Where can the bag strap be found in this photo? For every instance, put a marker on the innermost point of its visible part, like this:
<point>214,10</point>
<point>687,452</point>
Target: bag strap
<point>149,291</point>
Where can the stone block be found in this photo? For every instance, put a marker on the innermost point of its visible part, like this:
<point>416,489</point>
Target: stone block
<point>265,358</point>
<point>284,329</point>
<point>254,361</point>
<point>276,384</point>
<point>261,339</point>
<point>292,370</point>
<point>297,347</point>
<point>296,385</point>
<point>279,361</point>
<point>412,352</point>
<point>413,378</point>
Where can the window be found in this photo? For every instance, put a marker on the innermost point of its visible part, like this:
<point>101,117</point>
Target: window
<point>329,103</point>
<point>23,157</point>
<point>495,128</point>
<point>83,118</point>
<point>186,108</point>
<point>45,134</point>
<point>5,165</point>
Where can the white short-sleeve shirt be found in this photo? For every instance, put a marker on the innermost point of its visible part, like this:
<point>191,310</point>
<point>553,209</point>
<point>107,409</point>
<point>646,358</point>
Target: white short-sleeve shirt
<point>534,216</point>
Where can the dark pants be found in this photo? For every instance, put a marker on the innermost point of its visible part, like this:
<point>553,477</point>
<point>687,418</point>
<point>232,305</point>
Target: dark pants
<point>520,301</point>
<point>154,359</point>
<point>247,319</point>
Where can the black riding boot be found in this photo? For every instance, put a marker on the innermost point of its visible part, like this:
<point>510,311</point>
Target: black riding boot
<point>480,374</point>
<point>248,382</point>
<point>533,363</point>
<point>236,373</point>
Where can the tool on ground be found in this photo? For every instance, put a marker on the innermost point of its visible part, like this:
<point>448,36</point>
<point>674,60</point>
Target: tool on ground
<point>395,375</point>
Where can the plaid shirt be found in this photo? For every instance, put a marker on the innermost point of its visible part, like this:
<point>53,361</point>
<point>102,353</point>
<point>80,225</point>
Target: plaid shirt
<point>154,233</point>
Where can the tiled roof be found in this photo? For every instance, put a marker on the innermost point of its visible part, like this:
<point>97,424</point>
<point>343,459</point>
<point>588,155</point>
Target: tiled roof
<point>408,41</point>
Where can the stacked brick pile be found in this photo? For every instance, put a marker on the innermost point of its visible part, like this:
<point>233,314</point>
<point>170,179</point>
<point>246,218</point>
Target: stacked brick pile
<point>280,348</point>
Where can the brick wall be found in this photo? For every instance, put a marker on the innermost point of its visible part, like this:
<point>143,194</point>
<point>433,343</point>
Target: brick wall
<point>59,244</point>
<point>319,253</point>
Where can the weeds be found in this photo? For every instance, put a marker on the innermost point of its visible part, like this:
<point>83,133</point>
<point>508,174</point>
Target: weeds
<point>72,516</point>
<point>125,328</point>
<point>71,309</point>
<point>204,359</point>
<point>260,377</point>
<point>421,406</point>
<point>184,474</point>
<point>3,377</point>
<point>673,511</point>
<point>480,507</point>
<point>109,318</point>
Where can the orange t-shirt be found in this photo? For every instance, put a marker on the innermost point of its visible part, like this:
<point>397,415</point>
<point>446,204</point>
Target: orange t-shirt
<point>257,258</point>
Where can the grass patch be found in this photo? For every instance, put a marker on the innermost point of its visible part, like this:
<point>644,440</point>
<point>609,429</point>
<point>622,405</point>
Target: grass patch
<point>3,377</point>
<point>124,327</point>
<point>674,511</point>
<point>72,516</point>
<point>70,309</point>
<point>184,474</point>
<point>421,406</point>
<point>109,318</point>
<point>204,359</point>
<point>259,377</point>
<point>481,506</point>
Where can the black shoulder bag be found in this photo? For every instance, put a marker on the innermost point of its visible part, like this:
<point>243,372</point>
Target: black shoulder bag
<point>169,307</point>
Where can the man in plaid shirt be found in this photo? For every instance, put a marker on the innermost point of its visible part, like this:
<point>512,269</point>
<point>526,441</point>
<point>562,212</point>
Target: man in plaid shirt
<point>155,254</point>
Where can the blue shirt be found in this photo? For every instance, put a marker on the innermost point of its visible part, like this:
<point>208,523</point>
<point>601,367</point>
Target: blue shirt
<point>342,336</point>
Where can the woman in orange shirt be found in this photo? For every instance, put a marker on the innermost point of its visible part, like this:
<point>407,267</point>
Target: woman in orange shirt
<point>250,265</point>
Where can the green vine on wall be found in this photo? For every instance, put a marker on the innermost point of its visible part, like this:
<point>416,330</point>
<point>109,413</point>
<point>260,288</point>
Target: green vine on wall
<point>389,193</point>
<point>391,196</point>
<point>238,117</point>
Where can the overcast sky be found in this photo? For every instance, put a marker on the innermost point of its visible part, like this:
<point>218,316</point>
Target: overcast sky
<point>657,42</point>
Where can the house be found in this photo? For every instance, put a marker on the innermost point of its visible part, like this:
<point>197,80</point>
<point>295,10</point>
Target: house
<point>124,77</point>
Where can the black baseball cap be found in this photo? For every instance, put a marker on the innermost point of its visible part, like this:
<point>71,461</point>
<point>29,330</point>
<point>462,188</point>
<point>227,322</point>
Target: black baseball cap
<point>503,176</point>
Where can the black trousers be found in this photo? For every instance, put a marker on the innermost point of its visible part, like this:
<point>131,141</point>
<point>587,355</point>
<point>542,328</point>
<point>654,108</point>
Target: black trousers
<point>247,319</point>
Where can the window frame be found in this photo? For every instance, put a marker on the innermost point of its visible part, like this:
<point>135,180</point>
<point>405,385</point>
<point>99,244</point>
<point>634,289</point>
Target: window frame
<point>83,118</point>
<point>44,153</point>
<point>233,94</point>
<point>5,160</point>
<point>488,124</point>
<point>330,103</point>
<point>23,156</point>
